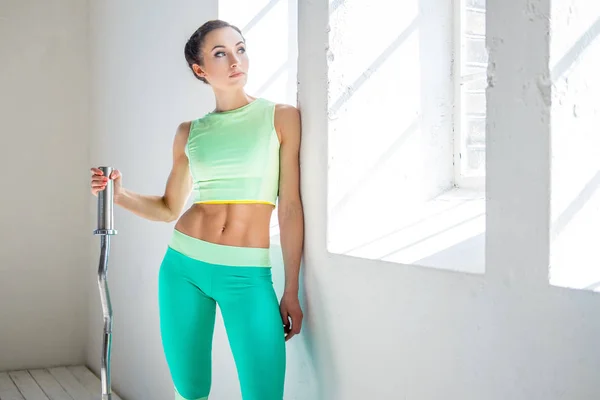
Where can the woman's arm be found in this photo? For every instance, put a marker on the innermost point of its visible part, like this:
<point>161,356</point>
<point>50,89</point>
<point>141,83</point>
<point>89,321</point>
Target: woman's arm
<point>167,207</point>
<point>290,213</point>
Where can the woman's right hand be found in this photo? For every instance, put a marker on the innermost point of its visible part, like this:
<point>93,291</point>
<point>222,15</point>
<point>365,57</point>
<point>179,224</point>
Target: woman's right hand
<point>99,181</point>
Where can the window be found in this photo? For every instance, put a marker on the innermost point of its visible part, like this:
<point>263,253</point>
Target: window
<point>575,140</point>
<point>470,66</point>
<point>392,192</point>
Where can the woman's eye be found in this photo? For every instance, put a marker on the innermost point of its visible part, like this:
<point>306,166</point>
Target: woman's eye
<point>222,53</point>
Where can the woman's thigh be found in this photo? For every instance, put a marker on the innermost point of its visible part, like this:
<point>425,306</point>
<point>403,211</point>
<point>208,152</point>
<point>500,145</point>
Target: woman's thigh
<point>254,328</point>
<point>187,318</point>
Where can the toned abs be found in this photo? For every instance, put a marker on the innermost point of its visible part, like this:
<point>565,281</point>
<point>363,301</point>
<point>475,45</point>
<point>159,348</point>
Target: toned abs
<point>245,225</point>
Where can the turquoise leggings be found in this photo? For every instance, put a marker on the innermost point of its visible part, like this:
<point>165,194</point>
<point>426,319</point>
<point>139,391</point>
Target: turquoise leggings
<point>194,277</point>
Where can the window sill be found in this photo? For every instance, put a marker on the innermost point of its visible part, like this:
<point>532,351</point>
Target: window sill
<point>447,232</point>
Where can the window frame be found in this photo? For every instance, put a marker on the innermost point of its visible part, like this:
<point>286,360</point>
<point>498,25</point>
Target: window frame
<point>462,179</point>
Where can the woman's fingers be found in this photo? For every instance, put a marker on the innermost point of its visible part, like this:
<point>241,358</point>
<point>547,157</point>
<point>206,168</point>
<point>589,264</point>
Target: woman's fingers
<point>98,181</point>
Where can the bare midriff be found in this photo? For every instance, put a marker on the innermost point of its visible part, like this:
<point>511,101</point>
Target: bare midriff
<point>231,224</point>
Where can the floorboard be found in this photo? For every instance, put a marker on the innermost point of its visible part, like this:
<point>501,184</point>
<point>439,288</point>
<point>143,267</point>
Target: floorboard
<point>59,383</point>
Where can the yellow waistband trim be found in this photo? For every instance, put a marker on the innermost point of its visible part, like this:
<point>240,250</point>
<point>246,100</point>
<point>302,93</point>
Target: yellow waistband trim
<point>234,202</point>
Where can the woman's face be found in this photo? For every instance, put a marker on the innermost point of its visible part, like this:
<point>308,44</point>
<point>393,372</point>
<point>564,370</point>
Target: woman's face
<point>225,60</point>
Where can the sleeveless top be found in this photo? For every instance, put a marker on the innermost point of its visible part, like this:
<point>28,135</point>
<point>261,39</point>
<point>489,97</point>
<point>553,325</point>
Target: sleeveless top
<point>234,155</point>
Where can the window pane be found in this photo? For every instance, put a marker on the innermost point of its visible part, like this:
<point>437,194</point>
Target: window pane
<point>476,51</point>
<point>480,4</point>
<point>474,78</point>
<point>475,129</point>
<point>474,102</point>
<point>473,84</point>
<point>476,84</point>
<point>475,22</point>
<point>476,158</point>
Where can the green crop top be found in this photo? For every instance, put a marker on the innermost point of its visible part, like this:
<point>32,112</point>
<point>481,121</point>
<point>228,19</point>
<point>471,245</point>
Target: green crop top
<point>234,155</point>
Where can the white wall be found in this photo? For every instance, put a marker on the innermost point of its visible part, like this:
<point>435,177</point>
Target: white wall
<point>44,128</point>
<point>386,331</point>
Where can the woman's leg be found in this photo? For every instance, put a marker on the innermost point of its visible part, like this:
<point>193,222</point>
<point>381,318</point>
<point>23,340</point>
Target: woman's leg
<point>254,328</point>
<point>187,318</point>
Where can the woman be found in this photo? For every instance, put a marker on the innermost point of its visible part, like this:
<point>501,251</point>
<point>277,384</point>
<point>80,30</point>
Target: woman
<point>236,159</point>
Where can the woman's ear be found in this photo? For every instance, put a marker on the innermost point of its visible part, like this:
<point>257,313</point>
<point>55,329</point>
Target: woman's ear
<point>199,71</point>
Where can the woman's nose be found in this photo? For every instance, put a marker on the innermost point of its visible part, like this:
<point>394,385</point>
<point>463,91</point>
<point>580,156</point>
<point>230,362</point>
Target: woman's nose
<point>234,60</point>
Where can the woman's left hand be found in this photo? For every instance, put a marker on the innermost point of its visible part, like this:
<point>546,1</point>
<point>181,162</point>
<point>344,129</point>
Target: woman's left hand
<point>291,315</point>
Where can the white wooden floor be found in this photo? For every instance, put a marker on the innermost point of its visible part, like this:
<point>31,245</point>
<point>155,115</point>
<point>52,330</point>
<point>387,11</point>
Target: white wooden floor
<point>60,383</point>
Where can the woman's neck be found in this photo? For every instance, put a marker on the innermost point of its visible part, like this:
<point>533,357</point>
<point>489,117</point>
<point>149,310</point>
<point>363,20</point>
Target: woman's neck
<point>226,101</point>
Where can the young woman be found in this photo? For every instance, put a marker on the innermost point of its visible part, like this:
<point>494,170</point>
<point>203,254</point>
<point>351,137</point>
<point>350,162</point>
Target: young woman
<point>237,160</point>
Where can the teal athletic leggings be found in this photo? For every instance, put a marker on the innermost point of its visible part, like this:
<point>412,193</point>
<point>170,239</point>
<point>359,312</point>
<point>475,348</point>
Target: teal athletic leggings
<point>194,277</point>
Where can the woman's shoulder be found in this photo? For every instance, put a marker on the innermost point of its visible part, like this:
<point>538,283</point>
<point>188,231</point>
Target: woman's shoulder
<point>285,112</point>
<point>197,123</point>
<point>286,120</point>
<point>277,105</point>
<point>183,130</point>
<point>285,108</point>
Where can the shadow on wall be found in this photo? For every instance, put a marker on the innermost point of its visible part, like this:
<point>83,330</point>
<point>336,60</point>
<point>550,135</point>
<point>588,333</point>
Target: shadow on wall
<point>575,206</point>
<point>569,58</point>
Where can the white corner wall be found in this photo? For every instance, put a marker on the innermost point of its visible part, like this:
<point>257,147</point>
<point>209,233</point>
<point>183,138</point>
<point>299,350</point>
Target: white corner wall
<point>44,128</point>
